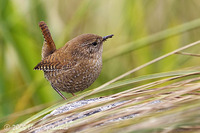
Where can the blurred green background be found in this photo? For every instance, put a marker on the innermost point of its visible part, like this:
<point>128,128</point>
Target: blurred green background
<point>143,30</point>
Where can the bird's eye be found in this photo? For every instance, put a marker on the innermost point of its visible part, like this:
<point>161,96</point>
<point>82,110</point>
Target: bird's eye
<point>94,43</point>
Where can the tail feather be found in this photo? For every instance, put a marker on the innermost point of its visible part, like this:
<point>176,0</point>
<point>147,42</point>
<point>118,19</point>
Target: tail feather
<point>49,45</point>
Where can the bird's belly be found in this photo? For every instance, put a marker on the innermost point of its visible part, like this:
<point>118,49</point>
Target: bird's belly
<point>73,80</point>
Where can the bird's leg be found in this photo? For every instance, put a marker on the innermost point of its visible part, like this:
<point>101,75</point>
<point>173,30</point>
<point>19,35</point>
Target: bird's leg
<point>73,94</point>
<point>59,93</point>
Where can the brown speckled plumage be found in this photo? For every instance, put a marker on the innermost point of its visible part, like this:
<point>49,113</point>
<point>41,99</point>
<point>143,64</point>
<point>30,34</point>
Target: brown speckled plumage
<point>76,65</point>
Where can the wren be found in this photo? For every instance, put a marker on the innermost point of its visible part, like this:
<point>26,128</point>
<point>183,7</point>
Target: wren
<point>73,67</point>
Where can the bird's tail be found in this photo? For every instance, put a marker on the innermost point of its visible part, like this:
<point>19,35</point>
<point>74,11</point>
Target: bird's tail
<point>49,45</point>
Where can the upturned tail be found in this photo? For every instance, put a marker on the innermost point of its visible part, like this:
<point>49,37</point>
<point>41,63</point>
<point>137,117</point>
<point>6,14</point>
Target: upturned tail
<point>49,45</point>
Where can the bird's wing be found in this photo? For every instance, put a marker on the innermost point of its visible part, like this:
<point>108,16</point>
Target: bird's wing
<point>53,63</point>
<point>48,66</point>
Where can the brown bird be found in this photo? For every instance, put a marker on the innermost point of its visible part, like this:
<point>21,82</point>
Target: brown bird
<point>76,65</point>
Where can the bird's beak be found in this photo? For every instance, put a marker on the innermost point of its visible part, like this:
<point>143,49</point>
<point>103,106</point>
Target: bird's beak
<point>106,37</point>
